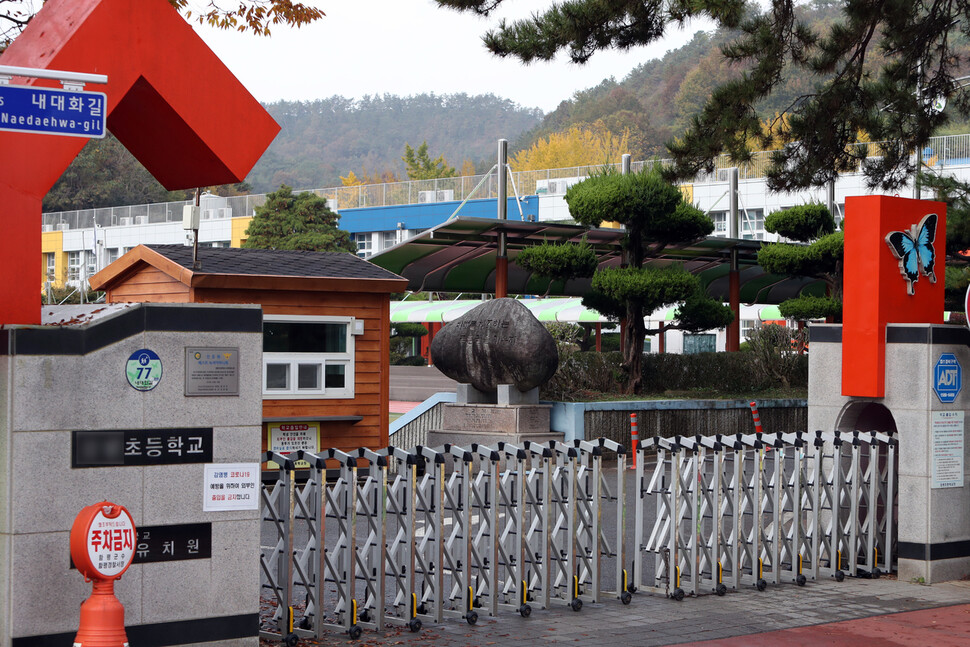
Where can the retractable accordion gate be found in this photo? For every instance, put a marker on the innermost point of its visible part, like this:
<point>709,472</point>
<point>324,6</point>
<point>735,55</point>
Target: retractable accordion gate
<point>402,537</point>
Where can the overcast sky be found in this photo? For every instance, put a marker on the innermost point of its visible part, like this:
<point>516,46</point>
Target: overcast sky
<point>407,47</point>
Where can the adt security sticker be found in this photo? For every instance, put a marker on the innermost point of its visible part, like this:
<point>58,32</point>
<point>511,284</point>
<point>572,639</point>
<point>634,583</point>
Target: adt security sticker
<point>144,370</point>
<point>947,377</point>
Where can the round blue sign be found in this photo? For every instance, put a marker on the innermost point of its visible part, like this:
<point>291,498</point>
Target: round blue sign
<point>143,370</point>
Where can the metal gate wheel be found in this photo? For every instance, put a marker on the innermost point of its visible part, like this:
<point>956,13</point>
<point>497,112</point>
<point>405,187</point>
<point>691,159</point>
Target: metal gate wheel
<point>626,597</point>
<point>800,580</point>
<point>720,589</point>
<point>355,632</point>
<point>471,617</point>
<point>678,594</point>
<point>525,611</point>
<point>762,585</point>
<point>414,625</point>
<point>576,604</point>
<point>839,576</point>
<point>291,640</point>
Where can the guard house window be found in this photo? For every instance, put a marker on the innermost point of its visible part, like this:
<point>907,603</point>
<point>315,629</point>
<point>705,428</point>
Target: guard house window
<point>308,357</point>
<point>73,266</point>
<point>51,266</point>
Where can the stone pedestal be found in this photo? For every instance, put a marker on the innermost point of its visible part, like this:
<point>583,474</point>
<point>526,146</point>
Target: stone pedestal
<point>58,384</point>
<point>487,424</point>
<point>933,513</point>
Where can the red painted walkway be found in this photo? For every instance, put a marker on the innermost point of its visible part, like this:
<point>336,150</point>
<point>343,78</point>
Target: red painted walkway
<point>942,627</point>
<point>396,406</point>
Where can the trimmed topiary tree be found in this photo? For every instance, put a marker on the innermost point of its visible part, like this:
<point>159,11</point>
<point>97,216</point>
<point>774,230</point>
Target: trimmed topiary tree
<point>819,256</point>
<point>654,215</point>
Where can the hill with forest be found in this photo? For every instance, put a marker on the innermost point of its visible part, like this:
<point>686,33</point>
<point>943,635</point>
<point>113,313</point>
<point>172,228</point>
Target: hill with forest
<point>324,140</point>
<point>656,100</point>
<point>319,142</point>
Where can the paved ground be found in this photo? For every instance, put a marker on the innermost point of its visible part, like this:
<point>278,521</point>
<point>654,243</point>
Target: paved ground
<point>853,613</point>
<point>418,383</point>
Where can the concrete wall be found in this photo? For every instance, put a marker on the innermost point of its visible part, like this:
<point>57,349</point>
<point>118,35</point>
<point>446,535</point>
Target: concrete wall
<point>666,418</point>
<point>669,418</point>
<point>934,524</point>
<point>54,380</point>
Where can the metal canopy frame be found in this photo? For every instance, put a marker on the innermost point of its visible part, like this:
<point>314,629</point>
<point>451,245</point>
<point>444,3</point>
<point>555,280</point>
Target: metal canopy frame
<point>459,256</point>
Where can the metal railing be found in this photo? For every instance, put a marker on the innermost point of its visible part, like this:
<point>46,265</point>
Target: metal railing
<point>941,152</point>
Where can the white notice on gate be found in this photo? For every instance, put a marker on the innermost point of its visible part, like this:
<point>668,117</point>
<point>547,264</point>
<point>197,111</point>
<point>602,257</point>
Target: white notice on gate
<point>231,486</point>
<point>948,443</point>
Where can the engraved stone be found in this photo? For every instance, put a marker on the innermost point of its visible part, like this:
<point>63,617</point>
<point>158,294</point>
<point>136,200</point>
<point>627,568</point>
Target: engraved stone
<point>499,342</point>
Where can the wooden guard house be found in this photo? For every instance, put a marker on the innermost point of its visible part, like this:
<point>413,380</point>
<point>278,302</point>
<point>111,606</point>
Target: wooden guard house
<point>326,329</point>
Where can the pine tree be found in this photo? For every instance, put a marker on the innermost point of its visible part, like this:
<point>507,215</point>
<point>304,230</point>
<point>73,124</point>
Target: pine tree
<point>420,166</point>
<point>820,258</point>
<point>296,221</point>
<point>879,71</point>
<point>655,215</point>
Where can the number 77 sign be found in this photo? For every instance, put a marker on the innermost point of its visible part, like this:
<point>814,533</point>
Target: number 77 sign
<point>143,370</point>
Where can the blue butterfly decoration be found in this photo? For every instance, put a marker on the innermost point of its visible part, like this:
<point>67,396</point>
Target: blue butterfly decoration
<point>915,252</point>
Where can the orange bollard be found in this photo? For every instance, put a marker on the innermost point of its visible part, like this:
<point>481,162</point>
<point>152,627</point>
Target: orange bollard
<point>102,618</point>
<point>102,547</point>
<point>757,421</point>
<point>635,437</point>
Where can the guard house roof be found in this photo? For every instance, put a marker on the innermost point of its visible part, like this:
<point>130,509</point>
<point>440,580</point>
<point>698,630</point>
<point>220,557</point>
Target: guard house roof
<point>459,256</point>
<point>254,269</point>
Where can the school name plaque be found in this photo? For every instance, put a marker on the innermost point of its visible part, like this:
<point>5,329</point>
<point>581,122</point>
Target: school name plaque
<point>132,447</point>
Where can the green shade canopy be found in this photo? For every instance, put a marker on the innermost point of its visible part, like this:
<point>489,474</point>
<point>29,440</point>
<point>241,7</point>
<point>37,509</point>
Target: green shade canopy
<point>545,310</point>
<point>459,256</point>
<point>567,310</point>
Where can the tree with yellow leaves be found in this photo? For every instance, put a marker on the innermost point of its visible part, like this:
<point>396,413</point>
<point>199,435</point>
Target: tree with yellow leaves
<point>352,179</point>
<point>578,146</point>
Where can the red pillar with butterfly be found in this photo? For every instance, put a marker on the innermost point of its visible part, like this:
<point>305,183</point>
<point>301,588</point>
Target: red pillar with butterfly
<point>895,251</point>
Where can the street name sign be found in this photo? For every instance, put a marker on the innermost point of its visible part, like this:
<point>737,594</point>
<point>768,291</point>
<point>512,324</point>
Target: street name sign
<point>74,113</point>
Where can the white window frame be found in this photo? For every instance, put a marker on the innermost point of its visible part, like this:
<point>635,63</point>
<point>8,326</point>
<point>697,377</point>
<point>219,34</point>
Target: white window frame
<point>748,326</point>
<point>365,244</point>
<point>388,239</point>
<point>90,263</point>
<point>753,224</point>
<point>74,265</point>
<point>293,360</point>
<point>719,218</point>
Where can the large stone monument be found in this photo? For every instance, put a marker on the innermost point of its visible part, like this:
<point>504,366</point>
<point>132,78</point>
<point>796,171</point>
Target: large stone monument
<point>500,355</point>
